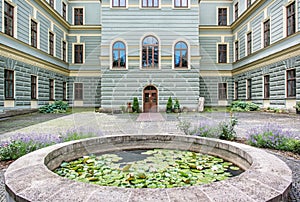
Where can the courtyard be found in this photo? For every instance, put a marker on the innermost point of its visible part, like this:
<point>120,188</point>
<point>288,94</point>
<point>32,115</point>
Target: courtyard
<point>145,124</point>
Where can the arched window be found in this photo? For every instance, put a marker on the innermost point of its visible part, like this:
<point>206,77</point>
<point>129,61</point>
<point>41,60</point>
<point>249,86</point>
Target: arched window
<point>119,55</point>
<point>181,54</point>
<point>150,52</point>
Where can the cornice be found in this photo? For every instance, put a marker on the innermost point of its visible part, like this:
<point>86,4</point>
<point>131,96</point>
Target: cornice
<point>215,27</point>
<point>85,27</point>
<point>31,60</point>
<point>271,59</point>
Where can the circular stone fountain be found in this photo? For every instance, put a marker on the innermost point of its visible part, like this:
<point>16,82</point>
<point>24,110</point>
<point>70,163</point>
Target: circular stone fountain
<point>30,178</point>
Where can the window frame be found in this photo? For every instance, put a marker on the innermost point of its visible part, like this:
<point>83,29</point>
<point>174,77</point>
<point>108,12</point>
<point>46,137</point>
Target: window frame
<point>181,58</point>
<point>78,91</point>
<point>119,51</point>
<point>64,50</point>
<point>266,33</point>
<point>236,49</point>
<point>34,33</point>
<point>222,91</point>
<point>266,80</point>
<point>219,53</point>
<point>154,46</point>
<point>9,16</point>
<point>51,43</point>
<point>236,11</point>
<point>181,5</point>
<point>147,5</point>
<point>236,90</point>
<point>249,43</point>
<point>291,80</point>
<point>291,16</point>
<point>220,17</point>
<point>249,89</point>
<point>119,4</point>
<point>75,53</point>
<point>51,89</point>
<point>75,22</point>
<point>34,87</point>
<point>64,10</point>
<point>9,84</point>
<point>51,3</point>
<point>248,3</point>
<point>64,91</point>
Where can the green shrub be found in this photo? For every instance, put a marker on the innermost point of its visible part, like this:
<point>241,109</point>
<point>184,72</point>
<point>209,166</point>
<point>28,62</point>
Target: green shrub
<point>176,105</point>
<point>169,106</point>
<point>227,131</point>
<point>56,107</point>
<point>135,106</point>
<point>241,106</point>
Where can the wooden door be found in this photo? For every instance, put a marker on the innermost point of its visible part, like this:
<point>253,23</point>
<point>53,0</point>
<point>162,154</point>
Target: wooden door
<point>150,99</point>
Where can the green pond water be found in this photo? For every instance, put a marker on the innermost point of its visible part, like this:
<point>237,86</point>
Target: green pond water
<point>157,168</point>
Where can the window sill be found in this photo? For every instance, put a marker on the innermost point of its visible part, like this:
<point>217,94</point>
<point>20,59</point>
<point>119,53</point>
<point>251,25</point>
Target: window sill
<point>9,99</point>
<point>290,98</point>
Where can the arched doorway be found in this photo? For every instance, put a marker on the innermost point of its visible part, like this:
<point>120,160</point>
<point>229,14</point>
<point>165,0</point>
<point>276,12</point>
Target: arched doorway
<point>150,99</point>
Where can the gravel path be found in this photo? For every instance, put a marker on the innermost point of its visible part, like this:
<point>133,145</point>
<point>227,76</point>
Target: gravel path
<point>106,125</point>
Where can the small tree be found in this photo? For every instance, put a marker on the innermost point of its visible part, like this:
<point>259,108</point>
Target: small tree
<point>135,106</point>
<point>169,105</point>
<point>176,105</point>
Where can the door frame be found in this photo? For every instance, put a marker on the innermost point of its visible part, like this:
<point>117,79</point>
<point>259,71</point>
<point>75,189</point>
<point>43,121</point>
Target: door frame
<point>143,97</point>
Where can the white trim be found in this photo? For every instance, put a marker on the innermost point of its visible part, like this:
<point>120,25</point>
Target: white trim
<point>67,5</point>
<point>227,52</point>
<point>141,5</point>
<point>111,54</point>
<point>73,53</point>
<point>83,14</point>
<point>141,50</point>
<point>262,32</point>
<point>188,54</point>
<point>217,14</point>
<point>15,21</point>
<point>246,43</point>
<point>54,43</point>
<point>37,32</point>
<point>54,4</point>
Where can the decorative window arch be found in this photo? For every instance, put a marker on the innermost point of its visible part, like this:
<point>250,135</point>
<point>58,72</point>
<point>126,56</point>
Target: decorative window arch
<point>119,55</point>
<point>150,52</point>
<point>181,55</point>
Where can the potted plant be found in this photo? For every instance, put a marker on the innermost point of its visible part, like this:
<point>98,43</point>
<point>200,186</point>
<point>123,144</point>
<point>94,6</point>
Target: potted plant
<point>169,105</point>
<point>297,106</point>
<point>176,106</point>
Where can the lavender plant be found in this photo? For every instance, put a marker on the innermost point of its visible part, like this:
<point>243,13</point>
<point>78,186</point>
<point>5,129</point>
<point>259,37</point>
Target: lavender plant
<point>273,136</point>
<point>22,144</point>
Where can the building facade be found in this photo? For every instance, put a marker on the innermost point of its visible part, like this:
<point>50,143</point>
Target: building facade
<point>105,53</point>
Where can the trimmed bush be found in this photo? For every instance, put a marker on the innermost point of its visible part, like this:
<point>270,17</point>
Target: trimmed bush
<point>135,105</point>
<point>169,106</point>
<point>241,106</point>
<point>56,107</point>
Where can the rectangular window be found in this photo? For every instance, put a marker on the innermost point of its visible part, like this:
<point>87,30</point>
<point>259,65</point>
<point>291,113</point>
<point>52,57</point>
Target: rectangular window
<point>33,87</point>
<point>248,3</point>
<point>33,33</point>
<point>78,16</point>
<point>222,91</point>
<point>8,19</point>
<point>291,83</point>
<point>78,91</point>
<point>78,57</point>
<point>64,51</point>
<point>222,16</point>
<point>236,45</point>
<point>267,86</point>
<point>150,3</point>
<point>9,84</point>
<point>236,90</point>
<point>181,3</point>
<point>249,88</point>
<point>51,89</point>
<point>64,90</point>
<point>51,43</point>
<point>267,33</point>
<point>290,18</point>
<point>222,53</point>
<point>236,11</point>
<point>119,3</point>
<point>249,43</point>
<point>64,10</point>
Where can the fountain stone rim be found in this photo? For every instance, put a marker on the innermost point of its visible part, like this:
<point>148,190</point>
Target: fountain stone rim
<point>30,177</point>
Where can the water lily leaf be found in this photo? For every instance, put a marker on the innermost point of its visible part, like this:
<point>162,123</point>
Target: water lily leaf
<point>126,168</point>
<point>234,168</point>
